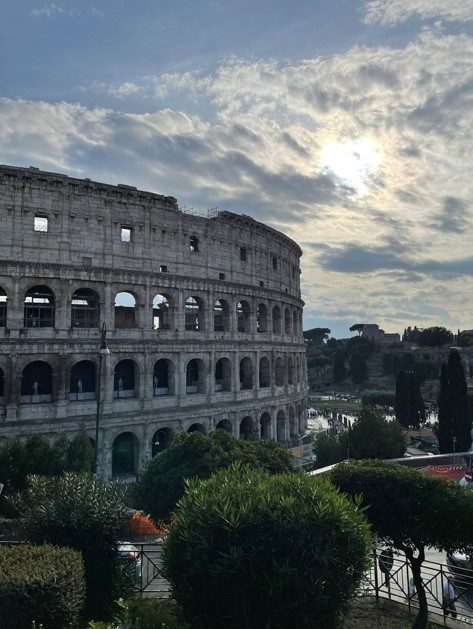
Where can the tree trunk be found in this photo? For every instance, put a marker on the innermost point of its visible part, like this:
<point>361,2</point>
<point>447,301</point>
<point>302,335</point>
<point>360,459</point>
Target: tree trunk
<point>416,565</point>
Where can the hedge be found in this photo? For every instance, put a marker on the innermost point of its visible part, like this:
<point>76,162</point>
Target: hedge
<point>42,584</point>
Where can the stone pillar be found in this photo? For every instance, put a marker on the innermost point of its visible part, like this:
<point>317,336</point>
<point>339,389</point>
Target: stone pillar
<point>232,318</point>
<point>211,376</point>
<point>108,308</point>
<point>60,386</point>
<point>63,309</point>
<point>236,374</point>
<point>15,308</point>
<point>274,426</point>
<point>179,315</point>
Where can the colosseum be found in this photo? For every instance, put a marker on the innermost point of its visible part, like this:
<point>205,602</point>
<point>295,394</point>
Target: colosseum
<point>203,319</point>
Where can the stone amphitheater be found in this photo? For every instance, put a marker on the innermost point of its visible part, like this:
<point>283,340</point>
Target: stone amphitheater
<point>203,319</point>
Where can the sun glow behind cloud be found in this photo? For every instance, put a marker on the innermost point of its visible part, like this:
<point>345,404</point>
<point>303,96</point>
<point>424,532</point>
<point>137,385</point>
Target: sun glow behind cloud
<point>354,163</point>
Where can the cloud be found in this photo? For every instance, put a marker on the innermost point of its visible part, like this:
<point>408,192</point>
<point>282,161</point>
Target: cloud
<point>57,10</point>
<point>453,217</point>
<point>394,11</point>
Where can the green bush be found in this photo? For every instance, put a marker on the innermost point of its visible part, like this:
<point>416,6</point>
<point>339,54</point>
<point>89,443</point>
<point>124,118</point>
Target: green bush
<point>195,455</point>
<point>82,512</point>
<point>145,613</point>
<point>250,550</point>
<point>42,584</point>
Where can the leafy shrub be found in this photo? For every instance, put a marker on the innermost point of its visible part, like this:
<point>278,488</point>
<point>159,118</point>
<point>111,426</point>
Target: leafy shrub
<point>250,550</point>
<point>42,584</point>
<point>145,613</point>
<point>195,455</point>
<point>82,512</point>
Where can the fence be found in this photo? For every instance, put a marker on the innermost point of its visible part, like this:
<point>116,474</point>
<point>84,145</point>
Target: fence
<point>449,589</point>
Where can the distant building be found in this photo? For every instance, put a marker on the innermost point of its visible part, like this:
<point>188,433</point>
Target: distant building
<point>373,332</point>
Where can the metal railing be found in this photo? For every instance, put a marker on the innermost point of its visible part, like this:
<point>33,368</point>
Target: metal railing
<point>449,590</point>
<point>149,569</point>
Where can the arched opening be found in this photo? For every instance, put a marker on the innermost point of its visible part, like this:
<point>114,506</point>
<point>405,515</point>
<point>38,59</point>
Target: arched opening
<point>298,369</point>
<point>3,308</point>
<point>196,428</point>
<point>124,385</point>
<point>39,308</point>
<point>276,320</point>
<point>195,376</point>
<point>37,383</point>
<point>264,372</point>
<point>292,423</point>
<point>279,372</point>
<point>281,426</point>
<point>243,316</point>
<point>246,428</point>
<point>221,316</point>
<point>287,321</point>
<point>224,424</point>
<point>265,426</point>
<point>223,375</point>
<point>161,440</point>
<point>85,309</point>
<point>125,311</point>
<point>161,313</point>
<point>2,384</point>
<point>163,373</point>
<point>246,373</point>
<point>294,323</point>
<point>125,455</point>
<point>194,314</point>
<point>82,381</point>
<point>262,318</point>
<point>301,415</point>
<point>290,370</point>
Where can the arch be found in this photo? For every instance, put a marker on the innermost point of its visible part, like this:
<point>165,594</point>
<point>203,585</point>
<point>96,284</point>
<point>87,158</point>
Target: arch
<point>195,376</point>
<point>124,379</point>
<point>125,455</point>
<point>265,426</point>
<point>163,377</point>
<point>82,381</point>
<point>290,370</point>
<point>2,383</point>
<point>223,375</point>
<point>37,383</point>
<point>298,369</point>
<point>293,430</point>
<point>246,427</point>
<point>197,427</point>
<point>161,440</point>
<point>125,311</point>
<point>39,309</point>
<point>281,426</point>
<point>264,372</point>
<point>162,312</point>
<point>246,373</point>
<point>287,321</point>
<point>3,308</point>
<point>194,314</point>
<point>279,372</point>
<point>243,316</point>
<point>294,323</point>
<point>85,310</point>
<point>262,318</point>
<point>221,316</point>
<point>224,424</point>
<point>276,320</point>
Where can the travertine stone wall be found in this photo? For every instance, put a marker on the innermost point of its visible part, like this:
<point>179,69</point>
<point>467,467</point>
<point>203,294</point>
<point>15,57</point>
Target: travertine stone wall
<point>237,259</point>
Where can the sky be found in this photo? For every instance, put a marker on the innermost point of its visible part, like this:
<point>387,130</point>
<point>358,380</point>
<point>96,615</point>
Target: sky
<point>346,124</point>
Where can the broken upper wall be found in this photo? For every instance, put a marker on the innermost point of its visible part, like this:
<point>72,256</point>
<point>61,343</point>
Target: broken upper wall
<point>53,218</point>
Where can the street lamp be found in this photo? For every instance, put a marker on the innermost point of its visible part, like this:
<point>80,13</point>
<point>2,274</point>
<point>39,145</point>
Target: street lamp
<point>103,351</point>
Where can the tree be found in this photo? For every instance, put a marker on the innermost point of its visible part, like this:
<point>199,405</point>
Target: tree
<point>454,429</point>
<point>435,336</point>
<point>249,550</point>
<point>80,454</point>
<point>410,511</point>
<point>360,345</point>
<point>357,327</point>
<point>319,365</point>
<point>339,371</point>
<point>328,450</point>
<point>317,335</point>
<point>409,405</point>
<point>195,455</point>
<point>358,368</point>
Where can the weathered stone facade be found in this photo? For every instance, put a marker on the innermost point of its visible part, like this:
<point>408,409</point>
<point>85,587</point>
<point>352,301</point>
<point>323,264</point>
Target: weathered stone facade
<point>220,345</point>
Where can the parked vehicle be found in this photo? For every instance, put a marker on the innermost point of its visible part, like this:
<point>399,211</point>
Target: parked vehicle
<point>130,560</point>
<point>461,566</point>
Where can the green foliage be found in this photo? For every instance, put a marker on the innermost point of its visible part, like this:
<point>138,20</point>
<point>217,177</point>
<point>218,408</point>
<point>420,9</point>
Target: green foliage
<point>454,415</point>
<point>360,345</point>
<point>316,335</point>
<point>41,584</point>
<point>409,405</point>
<point>410,510</point>
<point>435,336</point>
<point>358,368</point>
<point>380,398</point>
<point>250,550</point>
<point>328,449</point>
<point>195,455</point>
<point>394,362</point>
<point>79,511</point>
<point>339,371</point>
<point>144,613</point>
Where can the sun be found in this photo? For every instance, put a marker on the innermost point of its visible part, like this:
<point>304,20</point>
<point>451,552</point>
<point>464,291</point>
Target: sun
<point>353,163</point>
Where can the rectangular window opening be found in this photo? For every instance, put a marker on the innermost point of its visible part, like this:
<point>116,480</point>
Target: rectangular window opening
<point>193,243</point>
<point>40,223</point>
<point>126,234</point>
<point>243,254</point>
<point>221,276</point>
<point>275,263</point>
<point>163,268</point>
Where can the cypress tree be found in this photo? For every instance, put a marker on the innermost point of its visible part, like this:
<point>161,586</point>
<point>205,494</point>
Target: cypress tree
<point>339,371</point>
<point>445,428</point>
<point>402,401</point>
<point>416,402</point>
<point>454,418</point>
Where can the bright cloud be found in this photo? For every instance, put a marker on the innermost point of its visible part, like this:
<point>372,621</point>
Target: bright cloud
<point>393,11</point>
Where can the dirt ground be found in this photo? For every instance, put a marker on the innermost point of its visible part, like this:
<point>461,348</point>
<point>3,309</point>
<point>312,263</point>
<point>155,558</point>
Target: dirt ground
<point>365,614</point>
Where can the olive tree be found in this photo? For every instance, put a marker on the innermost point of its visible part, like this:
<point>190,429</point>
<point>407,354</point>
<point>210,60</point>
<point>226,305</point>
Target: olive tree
<point>410,511</point>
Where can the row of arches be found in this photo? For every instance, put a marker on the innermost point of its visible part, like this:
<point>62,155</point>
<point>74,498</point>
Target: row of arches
<point>126,446</point>
<point>39,311</point>
<point>37,378</point>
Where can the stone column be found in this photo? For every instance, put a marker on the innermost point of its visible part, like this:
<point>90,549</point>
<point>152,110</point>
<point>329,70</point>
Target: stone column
<point>236,374</point>
<point>108,308</point>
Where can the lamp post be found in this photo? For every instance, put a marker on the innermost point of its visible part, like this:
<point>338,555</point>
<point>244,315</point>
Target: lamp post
<point>103,351</point>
